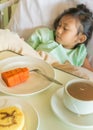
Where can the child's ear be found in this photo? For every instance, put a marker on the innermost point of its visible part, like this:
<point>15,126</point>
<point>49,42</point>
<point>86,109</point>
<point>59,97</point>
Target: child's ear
<point>82,38</point>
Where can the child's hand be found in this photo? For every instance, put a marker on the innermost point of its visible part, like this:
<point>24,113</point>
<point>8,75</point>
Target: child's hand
<point>22,38</point>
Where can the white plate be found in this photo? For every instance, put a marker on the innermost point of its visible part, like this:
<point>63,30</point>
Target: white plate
<point>80,121</point>
<point>31,116</point>
<point>35,83</point>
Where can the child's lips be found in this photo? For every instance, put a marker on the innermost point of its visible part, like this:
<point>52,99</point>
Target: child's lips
<point>58,38</point>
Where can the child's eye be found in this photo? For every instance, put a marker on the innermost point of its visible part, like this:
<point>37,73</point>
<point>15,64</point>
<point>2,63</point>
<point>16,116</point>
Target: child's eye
<point>65,28</point>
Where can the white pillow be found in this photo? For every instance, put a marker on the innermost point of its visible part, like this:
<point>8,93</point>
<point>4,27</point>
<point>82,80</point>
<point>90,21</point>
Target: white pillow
<point>32,13</point>
<point>88,3</point>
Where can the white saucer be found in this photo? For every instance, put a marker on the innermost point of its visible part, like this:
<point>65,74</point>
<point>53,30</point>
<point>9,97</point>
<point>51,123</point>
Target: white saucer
<point>80,121</point>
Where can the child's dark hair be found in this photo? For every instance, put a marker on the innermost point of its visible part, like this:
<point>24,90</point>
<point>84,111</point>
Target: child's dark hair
<point>83,15</point>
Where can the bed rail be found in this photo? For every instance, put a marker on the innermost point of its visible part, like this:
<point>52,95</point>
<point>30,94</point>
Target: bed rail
<point>6,5</point>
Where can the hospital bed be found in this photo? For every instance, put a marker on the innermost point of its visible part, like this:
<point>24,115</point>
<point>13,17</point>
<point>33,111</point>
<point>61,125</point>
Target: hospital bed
<point>31,14</point>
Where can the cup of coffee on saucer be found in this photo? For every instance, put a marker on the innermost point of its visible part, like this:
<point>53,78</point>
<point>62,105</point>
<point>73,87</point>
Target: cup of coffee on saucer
<point>78,96</point>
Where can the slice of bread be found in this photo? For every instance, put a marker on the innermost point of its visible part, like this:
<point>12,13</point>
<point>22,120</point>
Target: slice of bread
<point>11,118</point>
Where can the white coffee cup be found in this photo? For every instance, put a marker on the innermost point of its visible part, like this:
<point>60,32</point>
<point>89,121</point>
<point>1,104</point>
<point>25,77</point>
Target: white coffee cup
<point>78,96</point>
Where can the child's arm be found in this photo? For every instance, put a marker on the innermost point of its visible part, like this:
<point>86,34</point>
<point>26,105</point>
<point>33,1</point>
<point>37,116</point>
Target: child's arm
<point>42,39</point>
<point>87,65</point>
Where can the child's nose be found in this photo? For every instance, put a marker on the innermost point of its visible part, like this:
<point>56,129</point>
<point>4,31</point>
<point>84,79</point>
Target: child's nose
<point>60,30</point>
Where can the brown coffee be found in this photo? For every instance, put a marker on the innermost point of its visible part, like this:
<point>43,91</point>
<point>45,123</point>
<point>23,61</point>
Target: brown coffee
<point>82,91</point>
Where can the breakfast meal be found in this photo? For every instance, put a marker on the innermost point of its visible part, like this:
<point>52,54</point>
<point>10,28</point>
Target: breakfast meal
<point>11,118</point>
<point>15,76</point>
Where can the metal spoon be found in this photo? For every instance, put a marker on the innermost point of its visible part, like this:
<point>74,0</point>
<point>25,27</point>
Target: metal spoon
<point>47,77</point>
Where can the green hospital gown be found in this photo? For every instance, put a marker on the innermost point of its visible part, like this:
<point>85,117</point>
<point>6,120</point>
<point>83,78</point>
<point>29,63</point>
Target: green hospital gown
<point>43,40</point>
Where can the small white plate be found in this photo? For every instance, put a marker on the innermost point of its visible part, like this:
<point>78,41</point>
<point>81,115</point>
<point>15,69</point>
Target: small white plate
<point>80,121</point>
<point>35,83</point>
<point>31,116</point>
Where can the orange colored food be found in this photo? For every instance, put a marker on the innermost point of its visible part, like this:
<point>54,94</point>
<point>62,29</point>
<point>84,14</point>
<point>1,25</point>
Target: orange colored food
<point>15,76</point>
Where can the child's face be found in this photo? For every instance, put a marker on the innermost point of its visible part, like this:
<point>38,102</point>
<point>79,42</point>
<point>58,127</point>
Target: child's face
<point>67,32</point>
